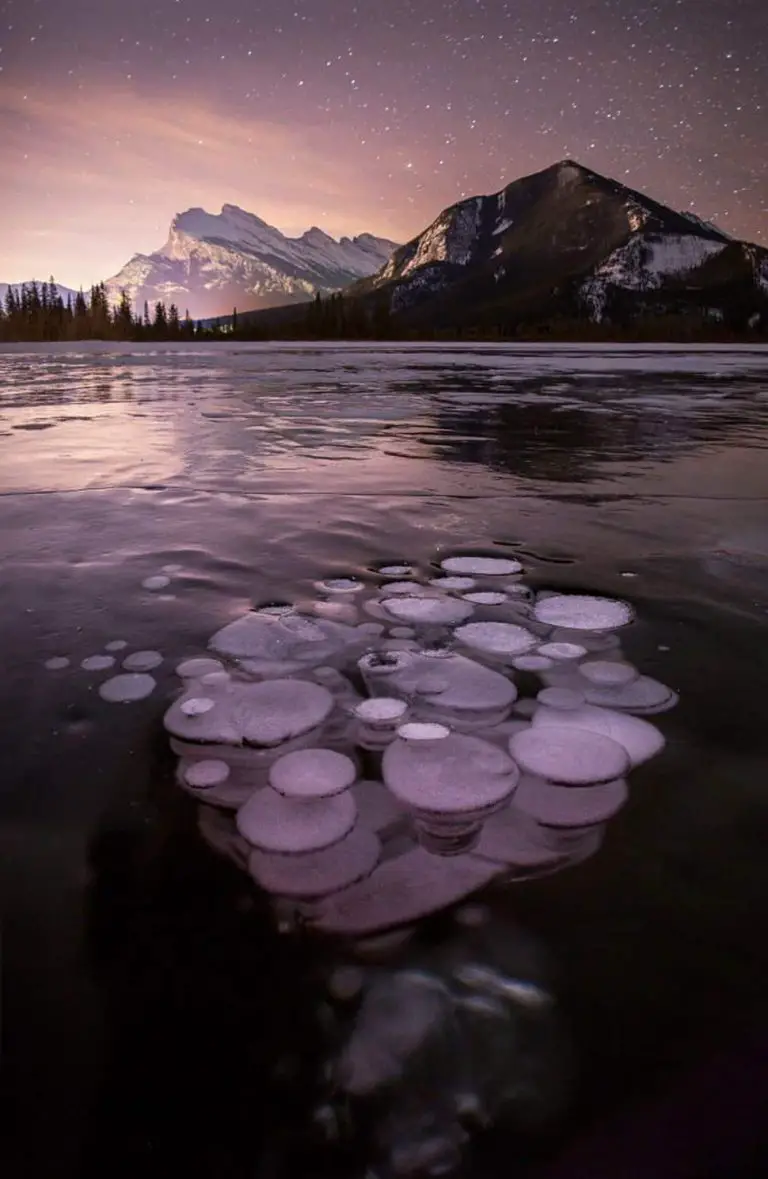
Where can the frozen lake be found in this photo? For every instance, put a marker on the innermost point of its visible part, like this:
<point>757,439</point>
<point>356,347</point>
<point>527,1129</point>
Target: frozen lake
<point>134,997</point>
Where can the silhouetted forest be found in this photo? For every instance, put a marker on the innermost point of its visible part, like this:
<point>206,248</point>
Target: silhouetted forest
<point>37,311</point>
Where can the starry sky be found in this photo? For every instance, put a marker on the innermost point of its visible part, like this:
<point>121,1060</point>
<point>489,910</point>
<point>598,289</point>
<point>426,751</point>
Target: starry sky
<point>360,115</point>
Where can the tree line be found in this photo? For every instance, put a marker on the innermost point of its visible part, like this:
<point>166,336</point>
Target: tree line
<point>38,312</point>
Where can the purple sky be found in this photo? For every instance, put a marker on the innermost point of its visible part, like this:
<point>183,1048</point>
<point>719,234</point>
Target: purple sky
<point>360,116</point>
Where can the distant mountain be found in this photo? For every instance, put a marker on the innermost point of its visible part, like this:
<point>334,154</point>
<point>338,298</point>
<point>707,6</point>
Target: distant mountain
<point>214,262</point>
<point>63,291</point>
<point>567,243</point>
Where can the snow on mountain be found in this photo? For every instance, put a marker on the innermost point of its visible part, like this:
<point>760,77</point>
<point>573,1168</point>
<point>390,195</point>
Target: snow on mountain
<point>644,263</point>
<point>212,262</point>
<point>557,242</point>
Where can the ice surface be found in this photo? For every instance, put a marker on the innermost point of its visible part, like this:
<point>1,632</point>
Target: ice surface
<point>641,740</point>
<point>582,612</point>
<point>317,873</point>
<point>312,773</point>
<point>121,689</point>
<point>402,890</point>
<point>481,566</point>
<point>274,823</point>
<point>142,661</point>
<point>496,638</point>
<point>569,755</point>
<point>98,662</point>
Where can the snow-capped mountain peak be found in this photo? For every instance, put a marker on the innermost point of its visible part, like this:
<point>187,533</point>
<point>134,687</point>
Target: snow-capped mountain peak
<point>211,262</point>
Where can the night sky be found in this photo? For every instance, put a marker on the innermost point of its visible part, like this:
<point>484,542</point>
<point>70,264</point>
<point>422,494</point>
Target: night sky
<point>360,116</point>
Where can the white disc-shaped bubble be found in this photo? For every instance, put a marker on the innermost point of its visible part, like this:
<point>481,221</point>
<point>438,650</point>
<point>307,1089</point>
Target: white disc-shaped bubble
<point>426,731</point>
<point>485,598</point>
<point>122,689</point>
<point>582,612</point>
<point>497,638</point>
<point>202,775</point>
<point>396,570</point>
<point>116,645</point>
<point>57,663</point>
<point>482,566</point>
<point>317,873</point>
<point>569,756</point>
<point>274,823</point>
<point>340,585</point>
<point>440,611</point>
<point>569,806</point>
<point>563,699</point>
<point>454,584</point>
<point>642,694</point>
<point>312,773</point>
<point>380,709</point>
<point>641,739</point>
<point>192,669</point>
<point>608,673</point>
<point>142,661</point>
<point>197,706</point>
<point>98,662</point>
<point>531,663</point>
<point>157,582</point>
<point>562,652</point>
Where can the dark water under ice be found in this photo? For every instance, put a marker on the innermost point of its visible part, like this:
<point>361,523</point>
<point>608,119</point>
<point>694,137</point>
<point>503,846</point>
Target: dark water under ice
<point>153,1022</point>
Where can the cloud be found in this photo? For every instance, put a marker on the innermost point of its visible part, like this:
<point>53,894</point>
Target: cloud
<point>91,180</point>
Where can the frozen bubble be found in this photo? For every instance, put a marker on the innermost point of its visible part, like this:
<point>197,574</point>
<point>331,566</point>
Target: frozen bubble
<point>497,638</point>
<point>593,642</point>
<point>346,982</point>
<point>641,739</point>
<point>193,669</point>
<point>426,731</point>
<point>317,873</point>
<point>439,611</point>
<point>563,699</point>
<point>373,629</point>
<point>607,673</point>
<point>312,773</point>
<point>171,570</point>
<point>197,705</point>
<point>431,683</point>
<point>142,661</point>
<point>116,645</point>
<point>157,582</point>
<point>275,609</point>
<point>643,695</point>
<point>582,612</point>
<point>531,663</point>
<point>204,774</point>
<point>97,662</point>
<point>121,689</point>
<point>454,584</point>
<point>340,585</point>
<point>566,806</point>
<point>568,755</point>
<point>562,651</point>
<point>57,663</point>
<point>409,588</point>
<point>485,598</point>
<point>402,632</point>
<point>482,566</point>
<point>214,679</point>
<point>274,823</point>
<point>404,570</point>
<point>525,708</point>
<point>380,708</point>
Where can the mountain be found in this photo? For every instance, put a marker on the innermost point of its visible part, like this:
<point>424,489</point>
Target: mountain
<point>567,243</point>
<point>63,291</point>
<point>214,262</point>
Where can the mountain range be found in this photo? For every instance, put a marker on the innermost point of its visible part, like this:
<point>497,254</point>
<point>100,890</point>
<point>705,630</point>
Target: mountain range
<point>567,243</point>
<point>212,263</point>
<point>564,244</point>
